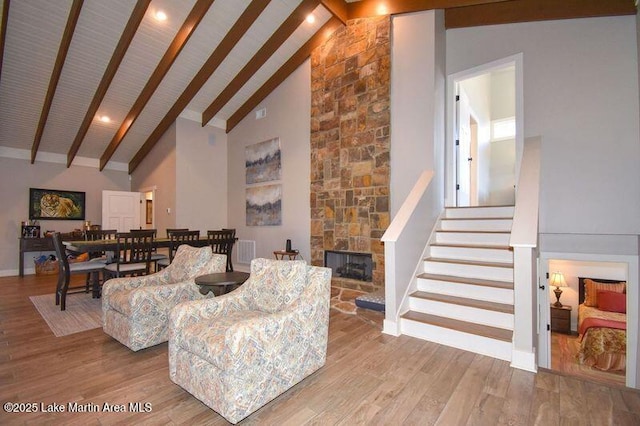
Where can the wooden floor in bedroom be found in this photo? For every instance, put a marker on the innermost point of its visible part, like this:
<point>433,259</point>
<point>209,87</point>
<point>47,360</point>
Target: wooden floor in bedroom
<point>564,350</point>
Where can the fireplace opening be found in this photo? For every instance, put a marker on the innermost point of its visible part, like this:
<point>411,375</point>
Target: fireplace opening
<point>346,264</point>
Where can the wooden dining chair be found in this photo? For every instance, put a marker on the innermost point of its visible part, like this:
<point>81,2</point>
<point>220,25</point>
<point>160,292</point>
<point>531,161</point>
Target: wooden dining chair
<point>99,256</point>
<point>155,256</point>
<point>66,269</point>
<point>221,242</point>
<point>178,237</point>
<point>133,254</point>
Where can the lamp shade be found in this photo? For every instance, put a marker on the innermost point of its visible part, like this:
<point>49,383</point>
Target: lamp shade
<point>557,280</point>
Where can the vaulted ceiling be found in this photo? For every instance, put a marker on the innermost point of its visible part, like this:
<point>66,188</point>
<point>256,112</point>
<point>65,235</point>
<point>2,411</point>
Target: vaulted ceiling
<point>67,65</point>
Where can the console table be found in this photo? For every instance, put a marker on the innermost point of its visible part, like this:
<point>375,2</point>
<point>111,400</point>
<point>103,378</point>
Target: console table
<point>33,244</point>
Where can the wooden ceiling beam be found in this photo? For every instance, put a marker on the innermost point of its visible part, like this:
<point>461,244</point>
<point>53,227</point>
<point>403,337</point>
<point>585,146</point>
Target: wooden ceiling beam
<point>242,25</point>
<point>67,35</point>
<point>368,8</point>
<point>276,40</point>
<point>3,30</point>
<point>116,58</point>
<point>285,71</point>
<point>534,10</point>
<point>181,38</point>
<point>338,8</point>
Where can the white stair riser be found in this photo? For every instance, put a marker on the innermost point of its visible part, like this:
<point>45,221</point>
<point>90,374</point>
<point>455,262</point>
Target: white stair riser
<point>468,253</point>
<point>463,313</point>
<point>470,291</point>
<point>469,271</point>
<point>477,225</point>
<point>457,339</point>
<point>475,212</point>
<point>471,238</point>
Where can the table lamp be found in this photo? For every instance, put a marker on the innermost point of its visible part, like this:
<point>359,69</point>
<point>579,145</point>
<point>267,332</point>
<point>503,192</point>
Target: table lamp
<point>557,280</point>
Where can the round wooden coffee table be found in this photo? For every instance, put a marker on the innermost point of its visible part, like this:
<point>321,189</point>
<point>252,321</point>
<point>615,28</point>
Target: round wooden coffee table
<point>221,282</point>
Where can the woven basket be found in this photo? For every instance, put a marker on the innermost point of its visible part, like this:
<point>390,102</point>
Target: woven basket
<point>48,267</point>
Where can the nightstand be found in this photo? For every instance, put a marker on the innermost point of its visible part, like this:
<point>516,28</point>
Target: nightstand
<point>561,319</point>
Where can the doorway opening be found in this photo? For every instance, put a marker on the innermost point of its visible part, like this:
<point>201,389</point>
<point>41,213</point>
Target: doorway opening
<point>571,343</point>
<point>484,134</point>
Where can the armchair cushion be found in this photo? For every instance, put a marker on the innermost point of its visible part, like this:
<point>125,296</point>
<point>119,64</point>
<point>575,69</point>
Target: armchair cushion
<point>135,310</point>
<point>275,285</point>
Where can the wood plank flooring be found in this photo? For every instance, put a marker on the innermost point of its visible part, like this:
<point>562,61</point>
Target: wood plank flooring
<point>369,378</point>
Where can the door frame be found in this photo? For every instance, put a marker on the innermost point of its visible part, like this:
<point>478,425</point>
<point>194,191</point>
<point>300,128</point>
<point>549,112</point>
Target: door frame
<point>452,83</point>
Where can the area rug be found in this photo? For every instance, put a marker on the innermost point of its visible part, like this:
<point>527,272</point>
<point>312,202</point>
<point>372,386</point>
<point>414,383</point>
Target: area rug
<point>82,313</point>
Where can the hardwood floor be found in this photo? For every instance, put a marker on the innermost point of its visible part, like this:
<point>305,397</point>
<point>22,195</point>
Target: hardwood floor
<point>369,378</point>
<point>564,349</point>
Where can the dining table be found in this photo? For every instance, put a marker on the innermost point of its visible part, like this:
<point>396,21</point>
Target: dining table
<point>82,246</point>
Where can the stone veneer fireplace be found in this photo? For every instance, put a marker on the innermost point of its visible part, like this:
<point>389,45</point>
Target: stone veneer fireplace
<point>350,127</point>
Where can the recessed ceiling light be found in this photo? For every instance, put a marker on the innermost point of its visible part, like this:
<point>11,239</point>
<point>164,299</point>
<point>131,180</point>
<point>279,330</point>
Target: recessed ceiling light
<point>311,18</point>
<point>160,16</point>
<point>104,119</point>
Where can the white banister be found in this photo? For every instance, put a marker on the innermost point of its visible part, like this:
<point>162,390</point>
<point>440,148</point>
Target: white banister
<point>524,240</point>
<point>404,242</point>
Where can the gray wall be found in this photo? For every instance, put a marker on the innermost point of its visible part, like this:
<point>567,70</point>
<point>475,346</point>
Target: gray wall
<point>581,97</point>
<point>288,118</point>
<point>158,171</point>
<point>19,175</point>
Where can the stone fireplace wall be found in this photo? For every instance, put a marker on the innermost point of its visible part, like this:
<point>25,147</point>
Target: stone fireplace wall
<point>350,144</point>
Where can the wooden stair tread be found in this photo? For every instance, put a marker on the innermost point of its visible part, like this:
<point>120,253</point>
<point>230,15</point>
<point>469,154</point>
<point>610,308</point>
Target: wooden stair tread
<point>471,246</point>
<point>463,301</point>
<point>479,207</point>
<point>463,280</point>
<point>472,232</point>
<point>469,262</point>
<point>462,326</point>
<point>479,218</point>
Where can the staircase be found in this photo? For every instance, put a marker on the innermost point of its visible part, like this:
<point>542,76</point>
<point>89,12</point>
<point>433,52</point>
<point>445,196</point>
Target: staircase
<point>464,295</point>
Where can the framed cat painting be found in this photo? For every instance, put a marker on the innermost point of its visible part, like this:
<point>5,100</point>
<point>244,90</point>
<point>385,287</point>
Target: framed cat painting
<point>56,205</point>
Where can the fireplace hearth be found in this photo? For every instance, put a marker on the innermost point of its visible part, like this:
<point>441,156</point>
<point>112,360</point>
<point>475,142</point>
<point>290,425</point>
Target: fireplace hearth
<point>345,264</point>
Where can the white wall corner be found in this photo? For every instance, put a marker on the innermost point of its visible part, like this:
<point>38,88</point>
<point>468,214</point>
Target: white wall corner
<point>391,327</point>
<point>524,360</point>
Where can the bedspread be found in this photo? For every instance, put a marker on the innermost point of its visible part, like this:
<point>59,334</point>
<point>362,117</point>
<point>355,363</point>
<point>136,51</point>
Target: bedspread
<point>602,348</point>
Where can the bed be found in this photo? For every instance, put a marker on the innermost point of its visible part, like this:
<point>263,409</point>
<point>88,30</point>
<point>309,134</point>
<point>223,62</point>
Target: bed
<point>602,321</point>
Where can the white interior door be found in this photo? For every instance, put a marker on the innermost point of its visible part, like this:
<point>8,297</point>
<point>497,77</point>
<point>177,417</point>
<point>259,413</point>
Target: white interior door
<point>120,210</point>
<point>463,157</point>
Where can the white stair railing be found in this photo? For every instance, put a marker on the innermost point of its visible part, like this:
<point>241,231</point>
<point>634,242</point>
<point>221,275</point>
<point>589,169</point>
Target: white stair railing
<point>524,240</point>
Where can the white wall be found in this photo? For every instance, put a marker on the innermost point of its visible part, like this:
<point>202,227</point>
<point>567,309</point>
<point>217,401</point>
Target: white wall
<point>288,118</point>
<point>417,144</point>
<point>201,176</point>
<point>417,106</point>
<point>581,97</point>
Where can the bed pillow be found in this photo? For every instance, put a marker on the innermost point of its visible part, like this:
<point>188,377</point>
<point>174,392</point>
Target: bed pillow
<point>612,302</point>
<point>592,288</point>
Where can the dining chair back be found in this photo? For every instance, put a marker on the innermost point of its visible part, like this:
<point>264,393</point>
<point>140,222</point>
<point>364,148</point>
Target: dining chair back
<point>133,253</point>
<point>177,237</point>
<point>66,269</point>
<point>98,235</point>
<point>221,242</point>
<point>155,256</point>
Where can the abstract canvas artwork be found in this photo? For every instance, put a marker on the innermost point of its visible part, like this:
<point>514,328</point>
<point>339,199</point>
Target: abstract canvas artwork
<point>263,162</point>
<point>264,205</point>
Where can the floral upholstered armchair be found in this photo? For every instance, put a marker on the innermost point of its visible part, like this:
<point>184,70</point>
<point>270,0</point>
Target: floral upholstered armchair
<point>135,310</point>
<point>239,351</point>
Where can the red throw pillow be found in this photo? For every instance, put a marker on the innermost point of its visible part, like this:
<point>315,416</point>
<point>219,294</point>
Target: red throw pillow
<point>612,301</point>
